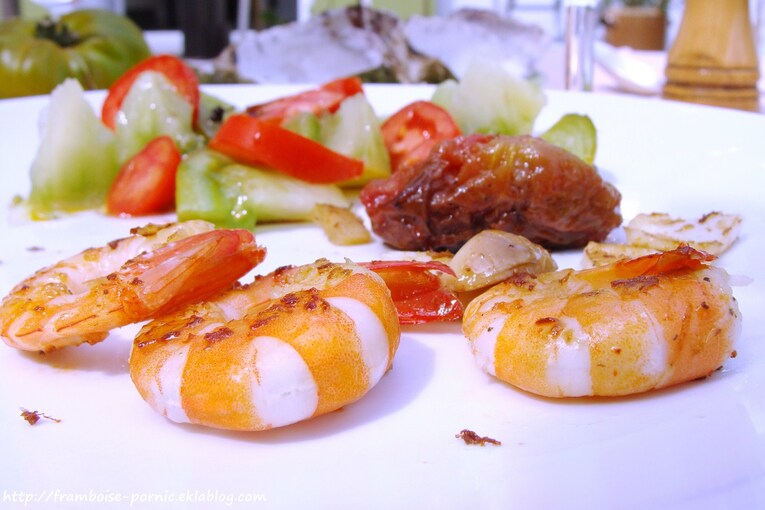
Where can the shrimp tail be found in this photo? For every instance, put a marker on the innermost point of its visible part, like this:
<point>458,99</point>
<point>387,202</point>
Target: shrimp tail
<point>419,294</point>
<point>192,269</point>
<point>156,269</point>
<point>649,267</point>
<point>682,258</point>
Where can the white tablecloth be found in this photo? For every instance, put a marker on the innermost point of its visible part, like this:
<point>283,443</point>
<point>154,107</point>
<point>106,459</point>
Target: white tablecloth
<point>551,68</point>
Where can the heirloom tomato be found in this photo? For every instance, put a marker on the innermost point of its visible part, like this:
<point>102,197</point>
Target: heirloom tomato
<point>94,46</point>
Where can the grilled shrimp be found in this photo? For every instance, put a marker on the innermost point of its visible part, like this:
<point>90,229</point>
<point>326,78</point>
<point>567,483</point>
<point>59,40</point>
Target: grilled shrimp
<point>619,329</point>
<point>297,343</point>
<point>156,269</point>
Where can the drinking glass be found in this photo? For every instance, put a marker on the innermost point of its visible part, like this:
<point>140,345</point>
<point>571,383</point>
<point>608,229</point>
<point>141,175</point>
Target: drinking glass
<point>579,36</point>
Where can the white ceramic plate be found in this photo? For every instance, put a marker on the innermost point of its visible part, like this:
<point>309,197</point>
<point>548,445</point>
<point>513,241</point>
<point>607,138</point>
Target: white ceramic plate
<point>698,445</point>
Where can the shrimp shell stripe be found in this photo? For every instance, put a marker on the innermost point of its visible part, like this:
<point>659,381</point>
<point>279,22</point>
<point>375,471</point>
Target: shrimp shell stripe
<point>290,346</point>
<point>571,334</point>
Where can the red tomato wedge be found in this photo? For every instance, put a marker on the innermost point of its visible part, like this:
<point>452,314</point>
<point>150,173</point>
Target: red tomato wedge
<point>259,142</point>
<point>175,70</point>
<point>146,183</point>
<point>412,132</point>
<point>326,98</point>
<point>418,293</point>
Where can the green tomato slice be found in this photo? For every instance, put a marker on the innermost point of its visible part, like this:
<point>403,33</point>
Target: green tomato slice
<point>577,134</point>
<point>488,99</point>
<point>212,187</point>
<point>153,108</point>
<point>76,161</point>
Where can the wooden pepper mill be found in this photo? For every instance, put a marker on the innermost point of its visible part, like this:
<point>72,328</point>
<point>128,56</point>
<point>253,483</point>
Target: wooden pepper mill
<point>713,59</point>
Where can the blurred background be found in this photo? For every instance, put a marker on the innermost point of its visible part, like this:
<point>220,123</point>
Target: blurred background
<point>207,24</point>
<point>274,41</point>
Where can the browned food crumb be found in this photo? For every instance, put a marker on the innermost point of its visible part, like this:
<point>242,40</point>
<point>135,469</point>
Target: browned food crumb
<point>35,248</point>
<point>33,417</point>
<point>471,437</point>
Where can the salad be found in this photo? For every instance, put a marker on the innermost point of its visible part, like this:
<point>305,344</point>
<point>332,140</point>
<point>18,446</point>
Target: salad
<point>161,144</point>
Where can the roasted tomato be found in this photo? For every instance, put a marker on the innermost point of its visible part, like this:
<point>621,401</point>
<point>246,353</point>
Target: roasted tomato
<point>518,184</point>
